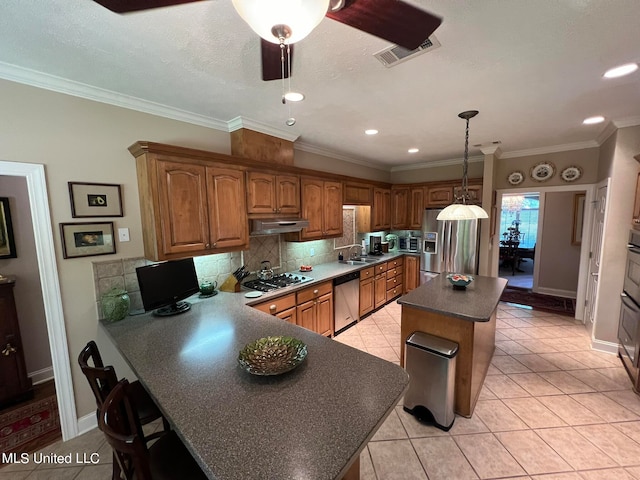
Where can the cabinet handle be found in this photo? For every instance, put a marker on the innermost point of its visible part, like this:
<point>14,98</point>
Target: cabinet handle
<point>9,349</point>
<point>272,308</point>
<point>315,292</point>
<point>207,245</point>
<point>275,210</point>
<point>215,244</point>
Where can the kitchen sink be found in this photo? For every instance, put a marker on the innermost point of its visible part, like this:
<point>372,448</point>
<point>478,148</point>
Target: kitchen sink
<point>361,261</point>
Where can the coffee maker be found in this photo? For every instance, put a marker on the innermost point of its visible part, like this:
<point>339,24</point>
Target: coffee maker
<point>375,244</point>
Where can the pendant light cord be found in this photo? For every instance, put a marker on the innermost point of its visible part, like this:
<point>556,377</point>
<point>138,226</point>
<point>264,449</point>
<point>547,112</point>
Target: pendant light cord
<point>465,167</point>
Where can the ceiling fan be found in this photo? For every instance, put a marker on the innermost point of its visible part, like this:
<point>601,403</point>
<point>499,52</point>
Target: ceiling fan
<point>392,20</point>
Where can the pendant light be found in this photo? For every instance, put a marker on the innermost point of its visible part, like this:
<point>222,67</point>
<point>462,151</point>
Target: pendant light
<point>460,210</point>
<point>276,19</point>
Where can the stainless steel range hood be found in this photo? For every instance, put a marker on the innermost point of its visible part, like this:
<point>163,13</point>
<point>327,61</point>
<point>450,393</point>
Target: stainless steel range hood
<point>272,226</point>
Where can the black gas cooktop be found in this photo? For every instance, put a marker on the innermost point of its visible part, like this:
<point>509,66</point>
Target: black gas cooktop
<point>277,281</point>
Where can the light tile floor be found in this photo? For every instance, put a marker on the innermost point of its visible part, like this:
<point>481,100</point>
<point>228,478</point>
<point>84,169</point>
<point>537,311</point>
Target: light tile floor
<point>551,409</point>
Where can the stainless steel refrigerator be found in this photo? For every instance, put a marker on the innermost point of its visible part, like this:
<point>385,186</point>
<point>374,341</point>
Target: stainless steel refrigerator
<point>448,246</point>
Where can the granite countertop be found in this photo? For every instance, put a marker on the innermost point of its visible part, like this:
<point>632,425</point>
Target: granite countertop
<point>309,423</point>
<point>476,303</point>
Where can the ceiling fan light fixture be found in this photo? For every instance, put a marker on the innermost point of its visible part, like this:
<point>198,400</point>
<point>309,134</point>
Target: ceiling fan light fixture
<point>297,17</point>
<point>294,96</point>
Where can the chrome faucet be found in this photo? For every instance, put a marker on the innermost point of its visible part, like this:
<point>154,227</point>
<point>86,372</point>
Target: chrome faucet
<point>351,255</point>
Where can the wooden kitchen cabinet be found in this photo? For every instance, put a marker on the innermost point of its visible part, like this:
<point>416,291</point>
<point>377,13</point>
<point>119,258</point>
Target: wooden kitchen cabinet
<point>367,291</point>
<point>394,275</point>
<point>440,196</point>
<point>322,206</point>
<point>315,308</point>
<point>380,285</point>
<point>271,194</point>
<point>411,272</point>
<point>356,194</point>
<point>475,193</point>
<point>282,307</point>
<point>15,385</point>
<point>400,208</point>
<point>416,208</point>
<point>381,209</point>
<point>189,208</point>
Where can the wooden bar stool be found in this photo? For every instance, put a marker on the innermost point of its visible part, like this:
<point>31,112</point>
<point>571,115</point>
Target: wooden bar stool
<point>102,380</point>
<point>166,459</point>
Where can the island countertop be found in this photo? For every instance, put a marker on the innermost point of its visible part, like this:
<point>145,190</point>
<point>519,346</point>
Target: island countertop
<point>476,303</point>
<point>311,422</point>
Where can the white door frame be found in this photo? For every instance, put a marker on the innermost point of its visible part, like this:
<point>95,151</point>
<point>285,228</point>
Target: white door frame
<point>47,266</point>
<point>583,271</point>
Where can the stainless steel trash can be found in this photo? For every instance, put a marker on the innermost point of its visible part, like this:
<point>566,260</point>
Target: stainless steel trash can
<point>430,362</point>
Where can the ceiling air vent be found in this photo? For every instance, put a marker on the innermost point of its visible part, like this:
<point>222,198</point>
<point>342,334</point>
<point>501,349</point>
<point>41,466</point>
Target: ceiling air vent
<point>396,54</point>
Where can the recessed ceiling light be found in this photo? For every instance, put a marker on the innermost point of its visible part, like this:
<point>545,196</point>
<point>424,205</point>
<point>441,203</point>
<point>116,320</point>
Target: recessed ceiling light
<point>413,150</point>
<point>621,71</point>
<point>294,96</point>
<point>593,120</point>
<point>371,131</point>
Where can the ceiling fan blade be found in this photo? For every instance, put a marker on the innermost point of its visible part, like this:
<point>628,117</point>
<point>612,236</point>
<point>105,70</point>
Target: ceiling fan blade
<point>392,20</point>
<point>271,62</point>
<point>124,6</point>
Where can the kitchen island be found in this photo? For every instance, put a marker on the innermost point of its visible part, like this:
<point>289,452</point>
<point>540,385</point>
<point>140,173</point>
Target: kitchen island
<point>467,317</point>
<point>310,423</point>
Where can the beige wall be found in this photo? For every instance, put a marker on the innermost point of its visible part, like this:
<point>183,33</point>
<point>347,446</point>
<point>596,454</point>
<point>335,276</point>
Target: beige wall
<point>623,171</point>
<point>605,157</point>
<point>81,140</point>
<point>435,174</point>
<point>27,291</point>
<point>559,261</point>
<point>587,159</point>
<point>315,161</point>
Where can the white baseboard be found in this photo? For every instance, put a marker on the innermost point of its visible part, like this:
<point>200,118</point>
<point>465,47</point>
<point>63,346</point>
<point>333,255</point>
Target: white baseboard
<point>87,423</point>
<point>606,347</point>
<point>556,292</point>
<point>41,376</point>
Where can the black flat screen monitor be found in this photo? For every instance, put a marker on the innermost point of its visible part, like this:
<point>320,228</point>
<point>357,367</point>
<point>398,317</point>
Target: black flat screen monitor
<point>163,285</point>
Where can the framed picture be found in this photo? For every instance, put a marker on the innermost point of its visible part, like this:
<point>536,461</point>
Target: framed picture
<point>87,239</point>
<point>95,200</point>
<point>578,218</point>
<point>7,244</point>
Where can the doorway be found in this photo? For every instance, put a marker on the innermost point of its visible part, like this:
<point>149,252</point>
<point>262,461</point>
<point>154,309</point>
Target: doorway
<point>518,232</point>
<point>50,285</point>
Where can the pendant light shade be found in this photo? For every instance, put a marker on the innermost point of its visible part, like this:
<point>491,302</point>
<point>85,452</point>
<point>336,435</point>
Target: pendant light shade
<point>460,210</point>
<point>291,19</point>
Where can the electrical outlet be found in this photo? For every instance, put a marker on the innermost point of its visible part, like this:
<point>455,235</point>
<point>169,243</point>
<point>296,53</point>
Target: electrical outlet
<point>312,252</point>
<point>123,234</point>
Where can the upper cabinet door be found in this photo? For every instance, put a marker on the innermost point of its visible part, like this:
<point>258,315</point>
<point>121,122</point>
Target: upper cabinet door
<point>381,209</point>
<point>332,208</point>
<point>288,194</point>
<point>416,210</point>
<point>228,223</point>
<point>439,196</point>
<point>400,208</point>
<point>182,194</point>
<point>261,193</point>
<point>312,208</point>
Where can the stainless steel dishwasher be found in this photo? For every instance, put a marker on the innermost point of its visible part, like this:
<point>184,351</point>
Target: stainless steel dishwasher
<point>346,295</point>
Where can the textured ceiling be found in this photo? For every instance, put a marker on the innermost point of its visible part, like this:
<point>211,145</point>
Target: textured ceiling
<point>532,68</point>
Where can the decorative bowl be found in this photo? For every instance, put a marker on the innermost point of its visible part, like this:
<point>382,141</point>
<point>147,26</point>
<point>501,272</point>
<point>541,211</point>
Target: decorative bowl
<point>272,355</point>
<point>459,280</point>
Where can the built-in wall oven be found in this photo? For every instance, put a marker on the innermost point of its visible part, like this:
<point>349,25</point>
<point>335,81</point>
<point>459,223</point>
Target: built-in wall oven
<point>629,325</point>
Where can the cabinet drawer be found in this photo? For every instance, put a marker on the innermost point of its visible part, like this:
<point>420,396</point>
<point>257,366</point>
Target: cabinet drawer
<point>314,292</point>
<point>395,271</point>
<point>381,268</point>
<point>396,262</point>
<point>277,305</point>
<point>394,282</point>
<point>394,292</point>
<point>367,273</point>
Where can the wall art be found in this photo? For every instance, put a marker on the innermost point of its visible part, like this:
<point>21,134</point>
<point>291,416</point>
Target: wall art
<point>95,200</point>
<point>7,243</point>
<point>87,239</point>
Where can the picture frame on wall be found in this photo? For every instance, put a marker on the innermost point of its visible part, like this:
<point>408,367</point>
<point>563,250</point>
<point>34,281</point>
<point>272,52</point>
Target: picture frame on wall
<point>7,243</point>
<point>87,239</point>
<point>95,200</point>
<point>578,218</point>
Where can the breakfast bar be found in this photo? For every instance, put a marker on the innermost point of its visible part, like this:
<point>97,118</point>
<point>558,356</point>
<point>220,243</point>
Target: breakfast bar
<point>467,317</point>
<point>309,423</point>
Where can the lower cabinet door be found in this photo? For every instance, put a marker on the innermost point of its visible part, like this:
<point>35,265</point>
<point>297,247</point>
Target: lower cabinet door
<point>324,324</point>
<point>306,314</point>
<point>289,315</point>
<point>366,297</point>
<point>380,290</point>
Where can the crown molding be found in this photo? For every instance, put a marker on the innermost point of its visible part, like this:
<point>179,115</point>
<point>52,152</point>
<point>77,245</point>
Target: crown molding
<point>627,122</point>
<point>242,122</point>
<point>437,163</point>
<point>494,150</point>
<point>82,90</point>
<point>306,147</point>
<point>606,132</point>
<point>551,149</point>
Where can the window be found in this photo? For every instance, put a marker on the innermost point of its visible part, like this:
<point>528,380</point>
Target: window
<point>519,218</point>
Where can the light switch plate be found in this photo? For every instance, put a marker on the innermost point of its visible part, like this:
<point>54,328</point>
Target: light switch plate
<point>123,234</point>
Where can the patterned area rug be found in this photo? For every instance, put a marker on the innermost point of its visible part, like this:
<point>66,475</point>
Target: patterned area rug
<point>548,303</point>
<point>21,425</point>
